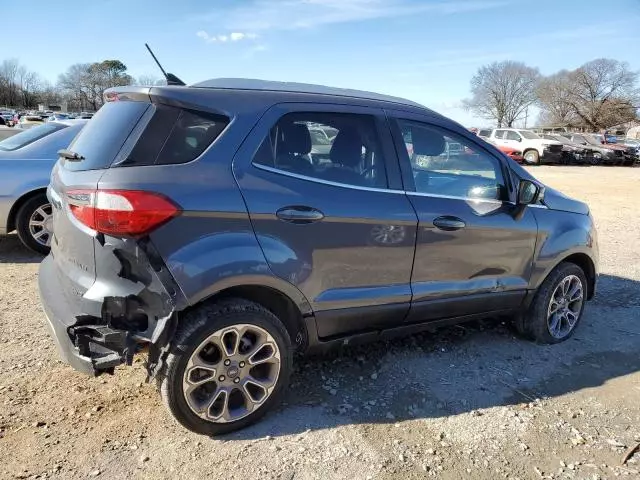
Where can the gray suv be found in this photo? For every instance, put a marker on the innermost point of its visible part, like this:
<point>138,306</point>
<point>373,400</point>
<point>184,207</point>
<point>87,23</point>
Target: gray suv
<point>195,223</point>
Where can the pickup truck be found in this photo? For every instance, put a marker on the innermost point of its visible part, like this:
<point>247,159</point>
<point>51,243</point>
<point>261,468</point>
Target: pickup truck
<point>534,148</point>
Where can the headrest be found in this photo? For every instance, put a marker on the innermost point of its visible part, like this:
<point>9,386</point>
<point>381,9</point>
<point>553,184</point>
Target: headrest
<point>296,138</point>
<point>347,148</point>
<point>427,142</point>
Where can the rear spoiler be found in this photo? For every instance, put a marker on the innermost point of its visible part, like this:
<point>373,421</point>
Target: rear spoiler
<point>129,93</point>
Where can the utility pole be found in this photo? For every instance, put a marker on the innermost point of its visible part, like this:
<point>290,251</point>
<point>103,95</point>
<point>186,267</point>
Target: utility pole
<point>526,116</point>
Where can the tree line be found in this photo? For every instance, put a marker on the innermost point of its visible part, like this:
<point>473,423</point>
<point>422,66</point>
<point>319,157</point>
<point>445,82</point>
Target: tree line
<point>597,95</point>
<point>81,86</point>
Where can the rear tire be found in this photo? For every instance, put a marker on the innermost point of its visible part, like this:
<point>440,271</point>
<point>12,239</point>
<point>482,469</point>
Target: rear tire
<point>538,323</point>
<point>198,340</point>
<point>531,157</point>
<point>36,237</point>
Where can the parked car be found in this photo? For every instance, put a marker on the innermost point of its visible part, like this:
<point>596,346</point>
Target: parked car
<point>6,132</point>
<point>535,149</point>
<point>26,160</point>
<point>28,121</point>
<point>611,154</point>
<point>633,145</point>
<point>190,220</point>
<point>511,153</point>
<point>484,133</point>
<point>56,117</point>
<point>574,152</point>
<point>7,118</point>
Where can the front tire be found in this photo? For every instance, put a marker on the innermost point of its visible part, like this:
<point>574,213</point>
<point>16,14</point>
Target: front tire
<point>33,224</point>
<point>531,157</point>
<point>557,307</point>
<point>228,365</point>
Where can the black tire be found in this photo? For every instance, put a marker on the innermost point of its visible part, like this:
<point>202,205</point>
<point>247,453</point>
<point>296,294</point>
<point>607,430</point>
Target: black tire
<point>595,160</point>
<point>194,328</point>
<point>532,324</point>
<point>534,158</point>
<point>22,223</point>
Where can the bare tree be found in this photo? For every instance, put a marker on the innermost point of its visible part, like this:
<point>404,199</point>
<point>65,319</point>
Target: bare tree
<point>599,94</point>
<point>8,82</point>
<point>554,94</point>
<point>503,91</point>
<point>150,80</point>
<point>29,83</point>
<point>603,93</point>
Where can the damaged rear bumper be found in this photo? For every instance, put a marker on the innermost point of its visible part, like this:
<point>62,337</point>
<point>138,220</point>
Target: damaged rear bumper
<point>90,349</point>
<point>103,327</point>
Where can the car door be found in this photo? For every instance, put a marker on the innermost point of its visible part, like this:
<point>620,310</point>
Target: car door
<point>512,139</point>
<point>474,247</point>
<point>498,137</point>
<point>332,219</point>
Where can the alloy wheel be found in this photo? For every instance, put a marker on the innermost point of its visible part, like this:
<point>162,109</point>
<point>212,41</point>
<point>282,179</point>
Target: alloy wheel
<point>40,224</point>
<point>231,373</point>
<point>530,157</point>
<point>565,306</point>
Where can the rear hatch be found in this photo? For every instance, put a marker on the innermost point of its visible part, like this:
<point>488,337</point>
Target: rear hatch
<point>96,227</point>
<point>73,245</point>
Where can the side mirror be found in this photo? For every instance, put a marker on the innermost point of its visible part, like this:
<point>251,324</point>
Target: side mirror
<point>519,139</point>
<point>528,192</point>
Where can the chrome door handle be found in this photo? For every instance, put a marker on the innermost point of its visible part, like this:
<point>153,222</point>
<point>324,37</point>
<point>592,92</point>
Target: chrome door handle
<point>449,223</point>
<point>299,214</point>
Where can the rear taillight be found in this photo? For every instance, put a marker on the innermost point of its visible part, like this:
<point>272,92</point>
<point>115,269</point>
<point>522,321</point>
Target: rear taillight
<point>121,212</point>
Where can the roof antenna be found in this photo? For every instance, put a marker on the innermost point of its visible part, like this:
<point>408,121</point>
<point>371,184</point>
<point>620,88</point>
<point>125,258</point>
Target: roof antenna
<point>171,78</point>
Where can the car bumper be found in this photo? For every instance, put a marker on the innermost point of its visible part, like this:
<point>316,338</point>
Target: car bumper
<point>552,157</point>
<point>90,349</point>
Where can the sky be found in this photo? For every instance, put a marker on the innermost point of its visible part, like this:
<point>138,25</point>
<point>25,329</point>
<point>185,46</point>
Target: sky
<point>423,50</point>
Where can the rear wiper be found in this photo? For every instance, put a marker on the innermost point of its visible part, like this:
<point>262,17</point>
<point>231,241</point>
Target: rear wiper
<point>69,155</point>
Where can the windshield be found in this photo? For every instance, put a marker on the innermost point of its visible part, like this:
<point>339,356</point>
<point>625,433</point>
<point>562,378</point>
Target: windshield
<point>23,139</point>
<point>528,135</point>
<point>592,140</point>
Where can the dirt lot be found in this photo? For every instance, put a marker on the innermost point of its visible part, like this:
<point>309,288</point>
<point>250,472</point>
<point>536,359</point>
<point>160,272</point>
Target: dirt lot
<point>466,402</point>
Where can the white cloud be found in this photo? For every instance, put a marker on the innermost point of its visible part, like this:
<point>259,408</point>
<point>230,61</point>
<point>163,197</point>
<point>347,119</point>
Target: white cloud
<point>261,15</point>
<point>224,38</point>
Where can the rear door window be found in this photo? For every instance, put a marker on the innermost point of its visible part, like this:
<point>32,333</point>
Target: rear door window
<point>174,135</point>
<point>337,147</point>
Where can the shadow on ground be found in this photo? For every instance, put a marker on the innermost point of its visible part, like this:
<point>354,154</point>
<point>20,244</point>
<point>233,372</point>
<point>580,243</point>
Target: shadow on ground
<point>451,371</point>
<point>13,251</point>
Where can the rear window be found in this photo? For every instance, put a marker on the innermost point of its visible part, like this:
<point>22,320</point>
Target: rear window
<point>103,136</point>
<point>140,133</point>
<point>26,137</point>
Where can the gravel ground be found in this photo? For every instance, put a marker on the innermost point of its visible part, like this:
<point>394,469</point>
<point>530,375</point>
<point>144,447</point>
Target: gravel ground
<point>471,401</point>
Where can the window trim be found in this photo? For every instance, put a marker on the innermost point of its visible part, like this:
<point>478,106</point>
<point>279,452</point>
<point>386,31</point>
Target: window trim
<point>382,190</point>
<point>322,181</point>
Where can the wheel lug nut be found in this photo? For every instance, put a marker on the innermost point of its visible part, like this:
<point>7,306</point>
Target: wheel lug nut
<point>221,378</point>
<point>227,362</point>
<point>237,380</point>
<point>241,364</point>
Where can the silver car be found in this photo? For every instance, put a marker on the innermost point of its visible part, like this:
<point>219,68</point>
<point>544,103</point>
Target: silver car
<point>26,160</point>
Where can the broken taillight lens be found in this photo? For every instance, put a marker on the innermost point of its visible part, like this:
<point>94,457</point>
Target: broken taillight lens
<point>121,212</point>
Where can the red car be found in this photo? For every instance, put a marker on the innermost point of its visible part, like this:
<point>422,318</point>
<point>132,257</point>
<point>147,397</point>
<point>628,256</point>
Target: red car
<point>511,152</point>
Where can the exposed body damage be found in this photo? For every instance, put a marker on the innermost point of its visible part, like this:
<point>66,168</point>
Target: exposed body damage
<point>130,322</point>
